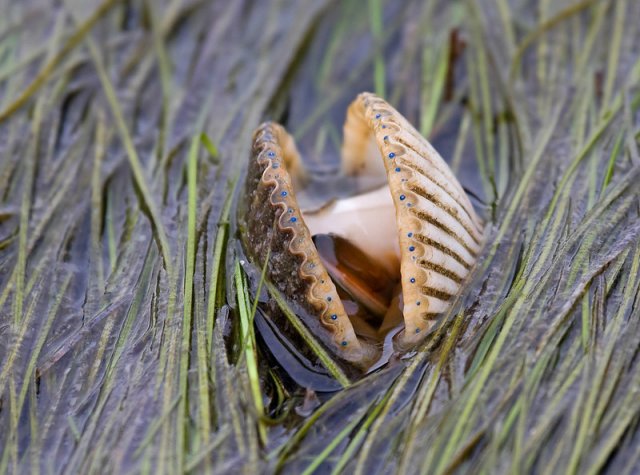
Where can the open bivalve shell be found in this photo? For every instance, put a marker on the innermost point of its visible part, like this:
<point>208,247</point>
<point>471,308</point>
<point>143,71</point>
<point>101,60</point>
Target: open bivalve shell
<point>418,233</point>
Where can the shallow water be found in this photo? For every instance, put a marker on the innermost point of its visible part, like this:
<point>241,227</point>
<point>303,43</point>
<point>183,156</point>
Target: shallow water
<point>119,346</point>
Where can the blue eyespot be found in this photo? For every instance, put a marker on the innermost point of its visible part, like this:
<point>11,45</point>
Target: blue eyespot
<point>412,248</point>
<point>391,155</point>
<point>293,219</point>
<point>412,280</point>
<point>378,116</point>
<point>334,317</point>
<point>409,234</point>
<point>397,169</point>
<point>284,193</point>
<point>344,343</point>
<point>271,153</point>
<point>402,197</point>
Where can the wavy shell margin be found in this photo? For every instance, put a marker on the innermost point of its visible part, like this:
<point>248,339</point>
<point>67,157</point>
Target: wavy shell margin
<point>275,227</point>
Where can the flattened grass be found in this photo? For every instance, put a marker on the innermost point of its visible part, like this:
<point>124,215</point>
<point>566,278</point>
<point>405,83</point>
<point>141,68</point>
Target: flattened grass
<point>127,336</point>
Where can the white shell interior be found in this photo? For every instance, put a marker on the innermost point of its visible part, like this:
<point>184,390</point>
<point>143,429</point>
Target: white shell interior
<point>368,219</point>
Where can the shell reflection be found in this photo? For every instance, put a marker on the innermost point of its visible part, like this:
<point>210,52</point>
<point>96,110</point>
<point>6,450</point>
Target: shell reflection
<point>362,265</point>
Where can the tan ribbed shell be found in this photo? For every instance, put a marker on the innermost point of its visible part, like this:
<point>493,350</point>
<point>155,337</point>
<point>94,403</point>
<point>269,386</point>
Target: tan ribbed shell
<point>440,235</point>
<point>439,232</point>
